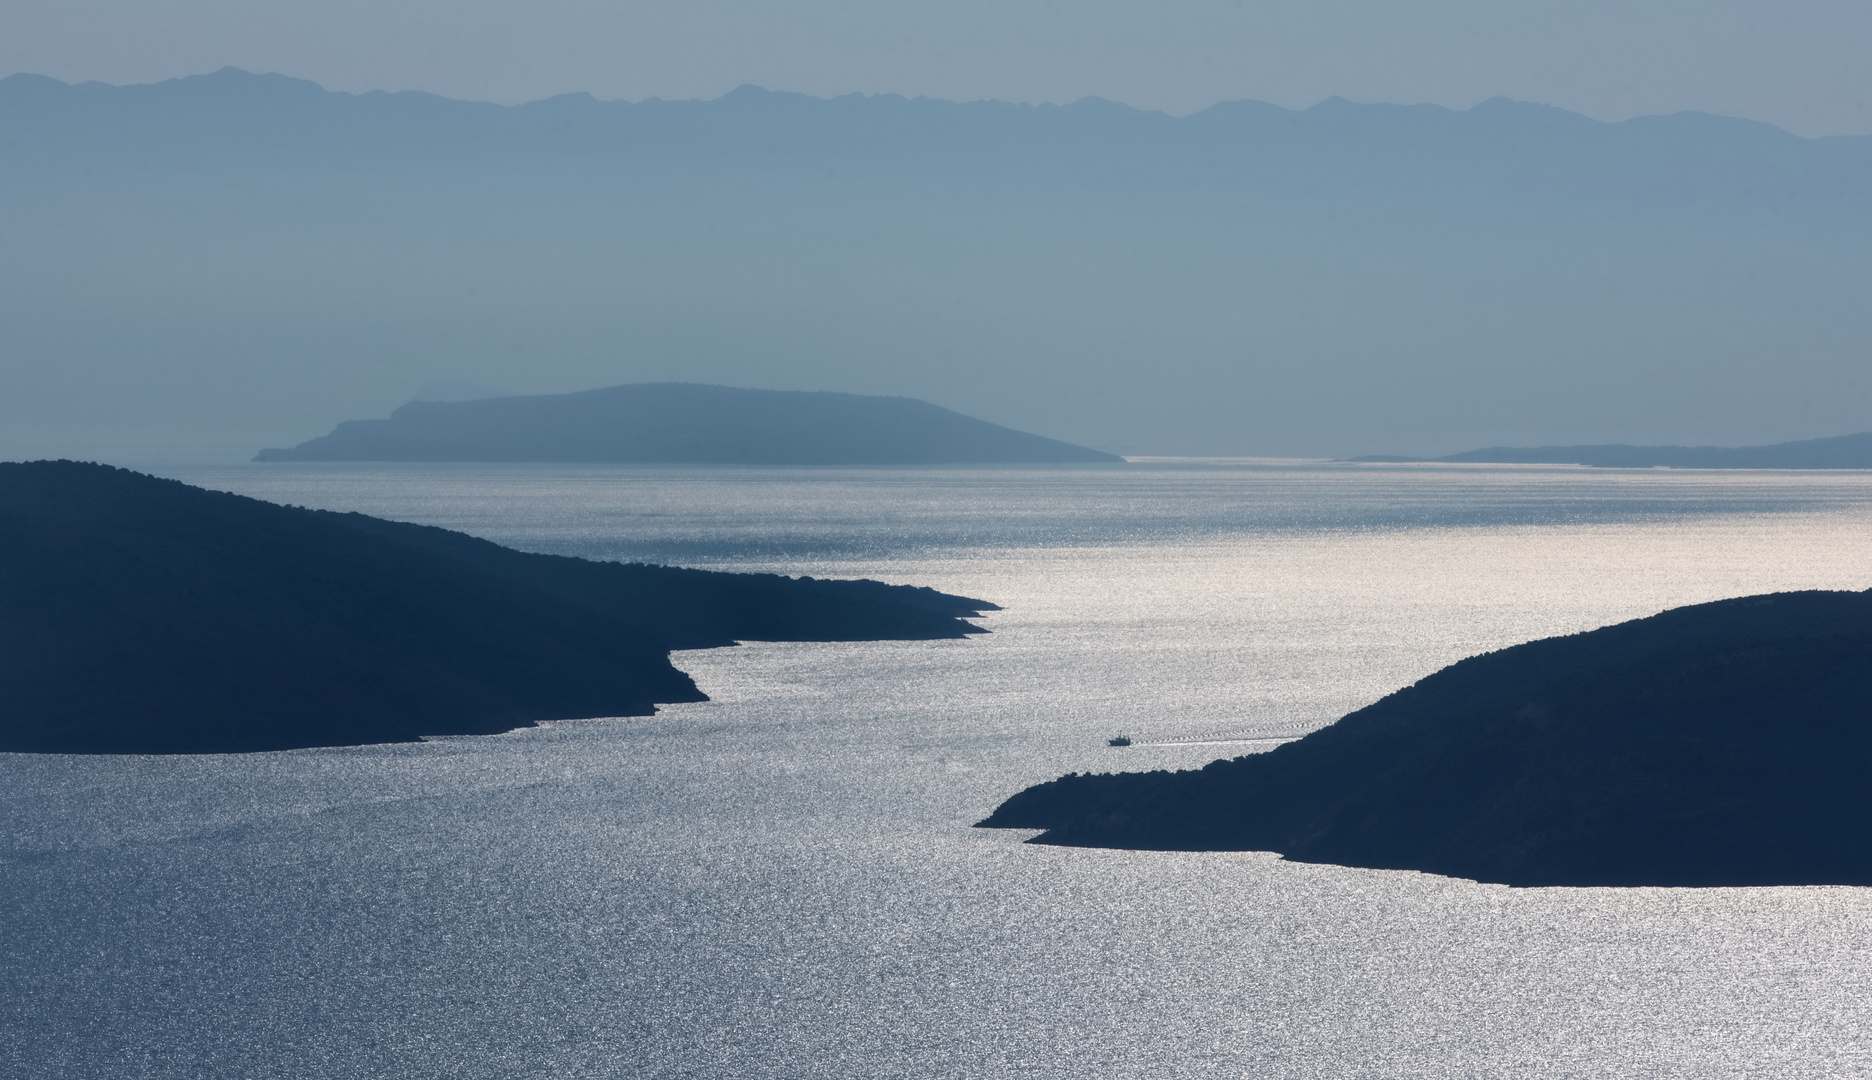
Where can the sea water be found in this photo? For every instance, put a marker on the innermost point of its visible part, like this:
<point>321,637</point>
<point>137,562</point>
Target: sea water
<point>783,881</point>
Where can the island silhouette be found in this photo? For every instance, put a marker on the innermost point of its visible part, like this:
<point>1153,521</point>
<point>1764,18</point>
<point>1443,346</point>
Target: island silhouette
<point>1725,743</point>
<point>1838,452</point>
<point>686,423</point>
<point>143,615</point>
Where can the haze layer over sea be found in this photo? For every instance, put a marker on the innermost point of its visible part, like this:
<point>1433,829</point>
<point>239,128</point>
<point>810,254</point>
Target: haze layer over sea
<point>782,882</point>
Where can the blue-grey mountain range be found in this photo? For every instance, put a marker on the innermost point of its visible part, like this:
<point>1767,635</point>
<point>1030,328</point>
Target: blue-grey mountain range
<point>234,260</point>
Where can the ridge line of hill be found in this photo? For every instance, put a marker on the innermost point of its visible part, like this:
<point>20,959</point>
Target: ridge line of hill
<point>1836,452</point>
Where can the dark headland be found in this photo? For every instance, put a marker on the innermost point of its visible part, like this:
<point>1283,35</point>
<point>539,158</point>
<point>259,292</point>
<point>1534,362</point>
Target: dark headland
<point>1839,452</point>
<point>686,423</point>
<point>1727,743</point>
<point>140,615</point>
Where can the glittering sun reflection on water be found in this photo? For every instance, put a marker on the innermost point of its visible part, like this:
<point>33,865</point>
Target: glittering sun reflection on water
<point>781,882</point>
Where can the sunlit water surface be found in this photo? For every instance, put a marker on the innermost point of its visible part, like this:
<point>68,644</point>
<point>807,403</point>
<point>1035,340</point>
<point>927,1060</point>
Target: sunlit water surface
<point>782,882</point>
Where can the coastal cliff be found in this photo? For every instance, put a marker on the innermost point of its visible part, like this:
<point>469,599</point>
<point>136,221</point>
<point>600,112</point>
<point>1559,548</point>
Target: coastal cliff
<point>1720,744</point>
<point>141,615</point>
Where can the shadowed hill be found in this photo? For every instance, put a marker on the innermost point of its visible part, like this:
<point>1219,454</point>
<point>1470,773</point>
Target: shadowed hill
<point>144,615</point>
<point>1839,452</point>
<point>1721,744</point>
<point>685,423</point>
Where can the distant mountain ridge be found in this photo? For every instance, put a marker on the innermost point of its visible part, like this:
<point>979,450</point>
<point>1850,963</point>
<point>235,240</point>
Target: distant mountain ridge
<point>1497,142</point>
<point>686,423</point>
<point>1248,280</point>
<point>1838,452</point>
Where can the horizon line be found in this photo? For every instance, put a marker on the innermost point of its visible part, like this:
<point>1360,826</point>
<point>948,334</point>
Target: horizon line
<point>1094,100</point>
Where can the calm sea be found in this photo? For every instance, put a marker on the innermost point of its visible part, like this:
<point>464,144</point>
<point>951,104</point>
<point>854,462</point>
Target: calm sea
<point>782,882</point>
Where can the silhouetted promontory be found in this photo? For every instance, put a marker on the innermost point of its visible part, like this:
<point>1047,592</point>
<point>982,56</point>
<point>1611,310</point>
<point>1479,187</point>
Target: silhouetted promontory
<point>686,423</point>
<point>141,615</point>
<point>1726,743</point>
<point>1839,452</point>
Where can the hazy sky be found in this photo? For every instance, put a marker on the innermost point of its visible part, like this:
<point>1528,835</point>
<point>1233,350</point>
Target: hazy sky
<point>1803,64</point>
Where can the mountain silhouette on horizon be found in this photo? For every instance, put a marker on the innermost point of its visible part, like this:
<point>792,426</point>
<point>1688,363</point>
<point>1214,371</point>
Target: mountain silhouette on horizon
<point>1837,452</point>
<point>1500,142</point>
<point>239,258</point>
<point>688,424</point>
